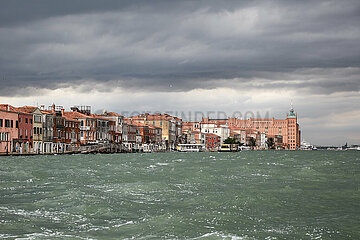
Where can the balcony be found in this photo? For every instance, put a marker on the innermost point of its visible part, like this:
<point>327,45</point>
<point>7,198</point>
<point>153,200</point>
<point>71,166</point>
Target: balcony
<point>84,128</point>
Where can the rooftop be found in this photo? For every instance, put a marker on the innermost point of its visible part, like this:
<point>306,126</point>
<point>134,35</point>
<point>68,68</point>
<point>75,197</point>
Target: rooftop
<point>76,115</point>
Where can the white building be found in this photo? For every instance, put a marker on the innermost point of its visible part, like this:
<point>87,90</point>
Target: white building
<point>223,131</point>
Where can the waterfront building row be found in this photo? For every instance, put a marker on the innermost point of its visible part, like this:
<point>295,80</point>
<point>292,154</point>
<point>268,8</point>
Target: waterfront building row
<point>255,133</point>
<point>38,130</point>
<point>26,130</point>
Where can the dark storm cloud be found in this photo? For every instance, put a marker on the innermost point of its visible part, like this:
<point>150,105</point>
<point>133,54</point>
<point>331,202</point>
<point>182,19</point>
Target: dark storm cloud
<point>179,45</point>
<point>14,12</point>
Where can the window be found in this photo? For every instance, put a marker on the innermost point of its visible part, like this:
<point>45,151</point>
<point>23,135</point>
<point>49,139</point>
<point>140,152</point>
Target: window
<point>12,123</point>
<point>30,120</point>
<point>26,120</point>
<point>20,119</point>
<point>2,136</point>
<point>1,122</point>
<point>17,124</point>
<point>7,123</point>
<point>37,118</point>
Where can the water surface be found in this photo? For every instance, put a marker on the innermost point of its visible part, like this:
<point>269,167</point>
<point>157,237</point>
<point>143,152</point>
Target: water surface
<point>245,195</point>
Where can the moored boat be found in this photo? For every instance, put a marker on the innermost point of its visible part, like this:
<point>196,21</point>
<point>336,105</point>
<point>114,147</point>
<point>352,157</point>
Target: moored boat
<point>190,147</point>
<point>229,148</point>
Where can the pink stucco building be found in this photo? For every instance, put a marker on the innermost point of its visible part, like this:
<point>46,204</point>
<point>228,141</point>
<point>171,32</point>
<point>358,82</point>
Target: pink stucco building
<point>8,130</point>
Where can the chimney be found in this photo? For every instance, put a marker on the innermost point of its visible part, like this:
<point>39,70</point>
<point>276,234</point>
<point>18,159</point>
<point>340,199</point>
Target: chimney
<point>62,111</point>
<point>8,108</point>
<point>53,107</point>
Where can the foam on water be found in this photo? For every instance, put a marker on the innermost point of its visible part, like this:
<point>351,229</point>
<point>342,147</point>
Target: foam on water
<point>217,235</point>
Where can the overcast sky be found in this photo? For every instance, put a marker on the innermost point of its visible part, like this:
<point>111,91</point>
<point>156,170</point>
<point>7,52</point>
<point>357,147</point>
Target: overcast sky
<point>230,56</point>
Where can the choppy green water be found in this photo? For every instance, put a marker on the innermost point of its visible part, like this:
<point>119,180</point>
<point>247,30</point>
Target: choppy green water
<point>246,195</point>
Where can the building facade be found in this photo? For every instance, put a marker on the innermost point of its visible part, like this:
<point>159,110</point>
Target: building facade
<point>24,143</point>
<point>211,126</point>
<point>212,141</point>
<point>171,127</point>
<point>37,122</point>
<point>88,132</point>
<point>72,134</point>
<point>48,131</point>
<point>287,131</point>
<point>288,128</point>
<point>8,130</point>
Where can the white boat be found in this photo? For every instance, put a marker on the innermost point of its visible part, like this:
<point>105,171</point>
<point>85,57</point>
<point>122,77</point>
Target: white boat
<point>245,148</point>
<point>307,146</point>
<point>190,147</point>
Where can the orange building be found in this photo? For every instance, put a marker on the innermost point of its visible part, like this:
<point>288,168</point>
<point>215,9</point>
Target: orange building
<point>171,126</point>
<point>288,128</point>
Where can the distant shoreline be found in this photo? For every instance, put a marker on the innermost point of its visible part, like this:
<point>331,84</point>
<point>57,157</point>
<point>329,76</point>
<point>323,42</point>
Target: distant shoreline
<point>86,153</point>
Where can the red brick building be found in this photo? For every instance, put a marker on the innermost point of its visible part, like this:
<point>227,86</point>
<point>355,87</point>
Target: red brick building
<point>72,133</point>
<point>87,126</point>
<point>147,132</point>
<point>25,137</point>
<point>212,141</point>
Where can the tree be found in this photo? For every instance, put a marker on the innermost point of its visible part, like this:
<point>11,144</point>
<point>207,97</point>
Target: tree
<point>252,142</point>
<point>270,143</point>
<point>231,140</point>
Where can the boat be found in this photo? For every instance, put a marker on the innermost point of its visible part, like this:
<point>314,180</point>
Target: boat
<point>229,148</point>
<point>307,146</point>
<point>188,147</point>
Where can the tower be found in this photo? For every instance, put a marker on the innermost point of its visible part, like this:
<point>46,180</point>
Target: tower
<point>293,133</point>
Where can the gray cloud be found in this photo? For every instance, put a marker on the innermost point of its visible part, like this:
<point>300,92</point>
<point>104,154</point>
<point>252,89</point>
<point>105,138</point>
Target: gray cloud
<point>190,44</point>
<point>188,55</point>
